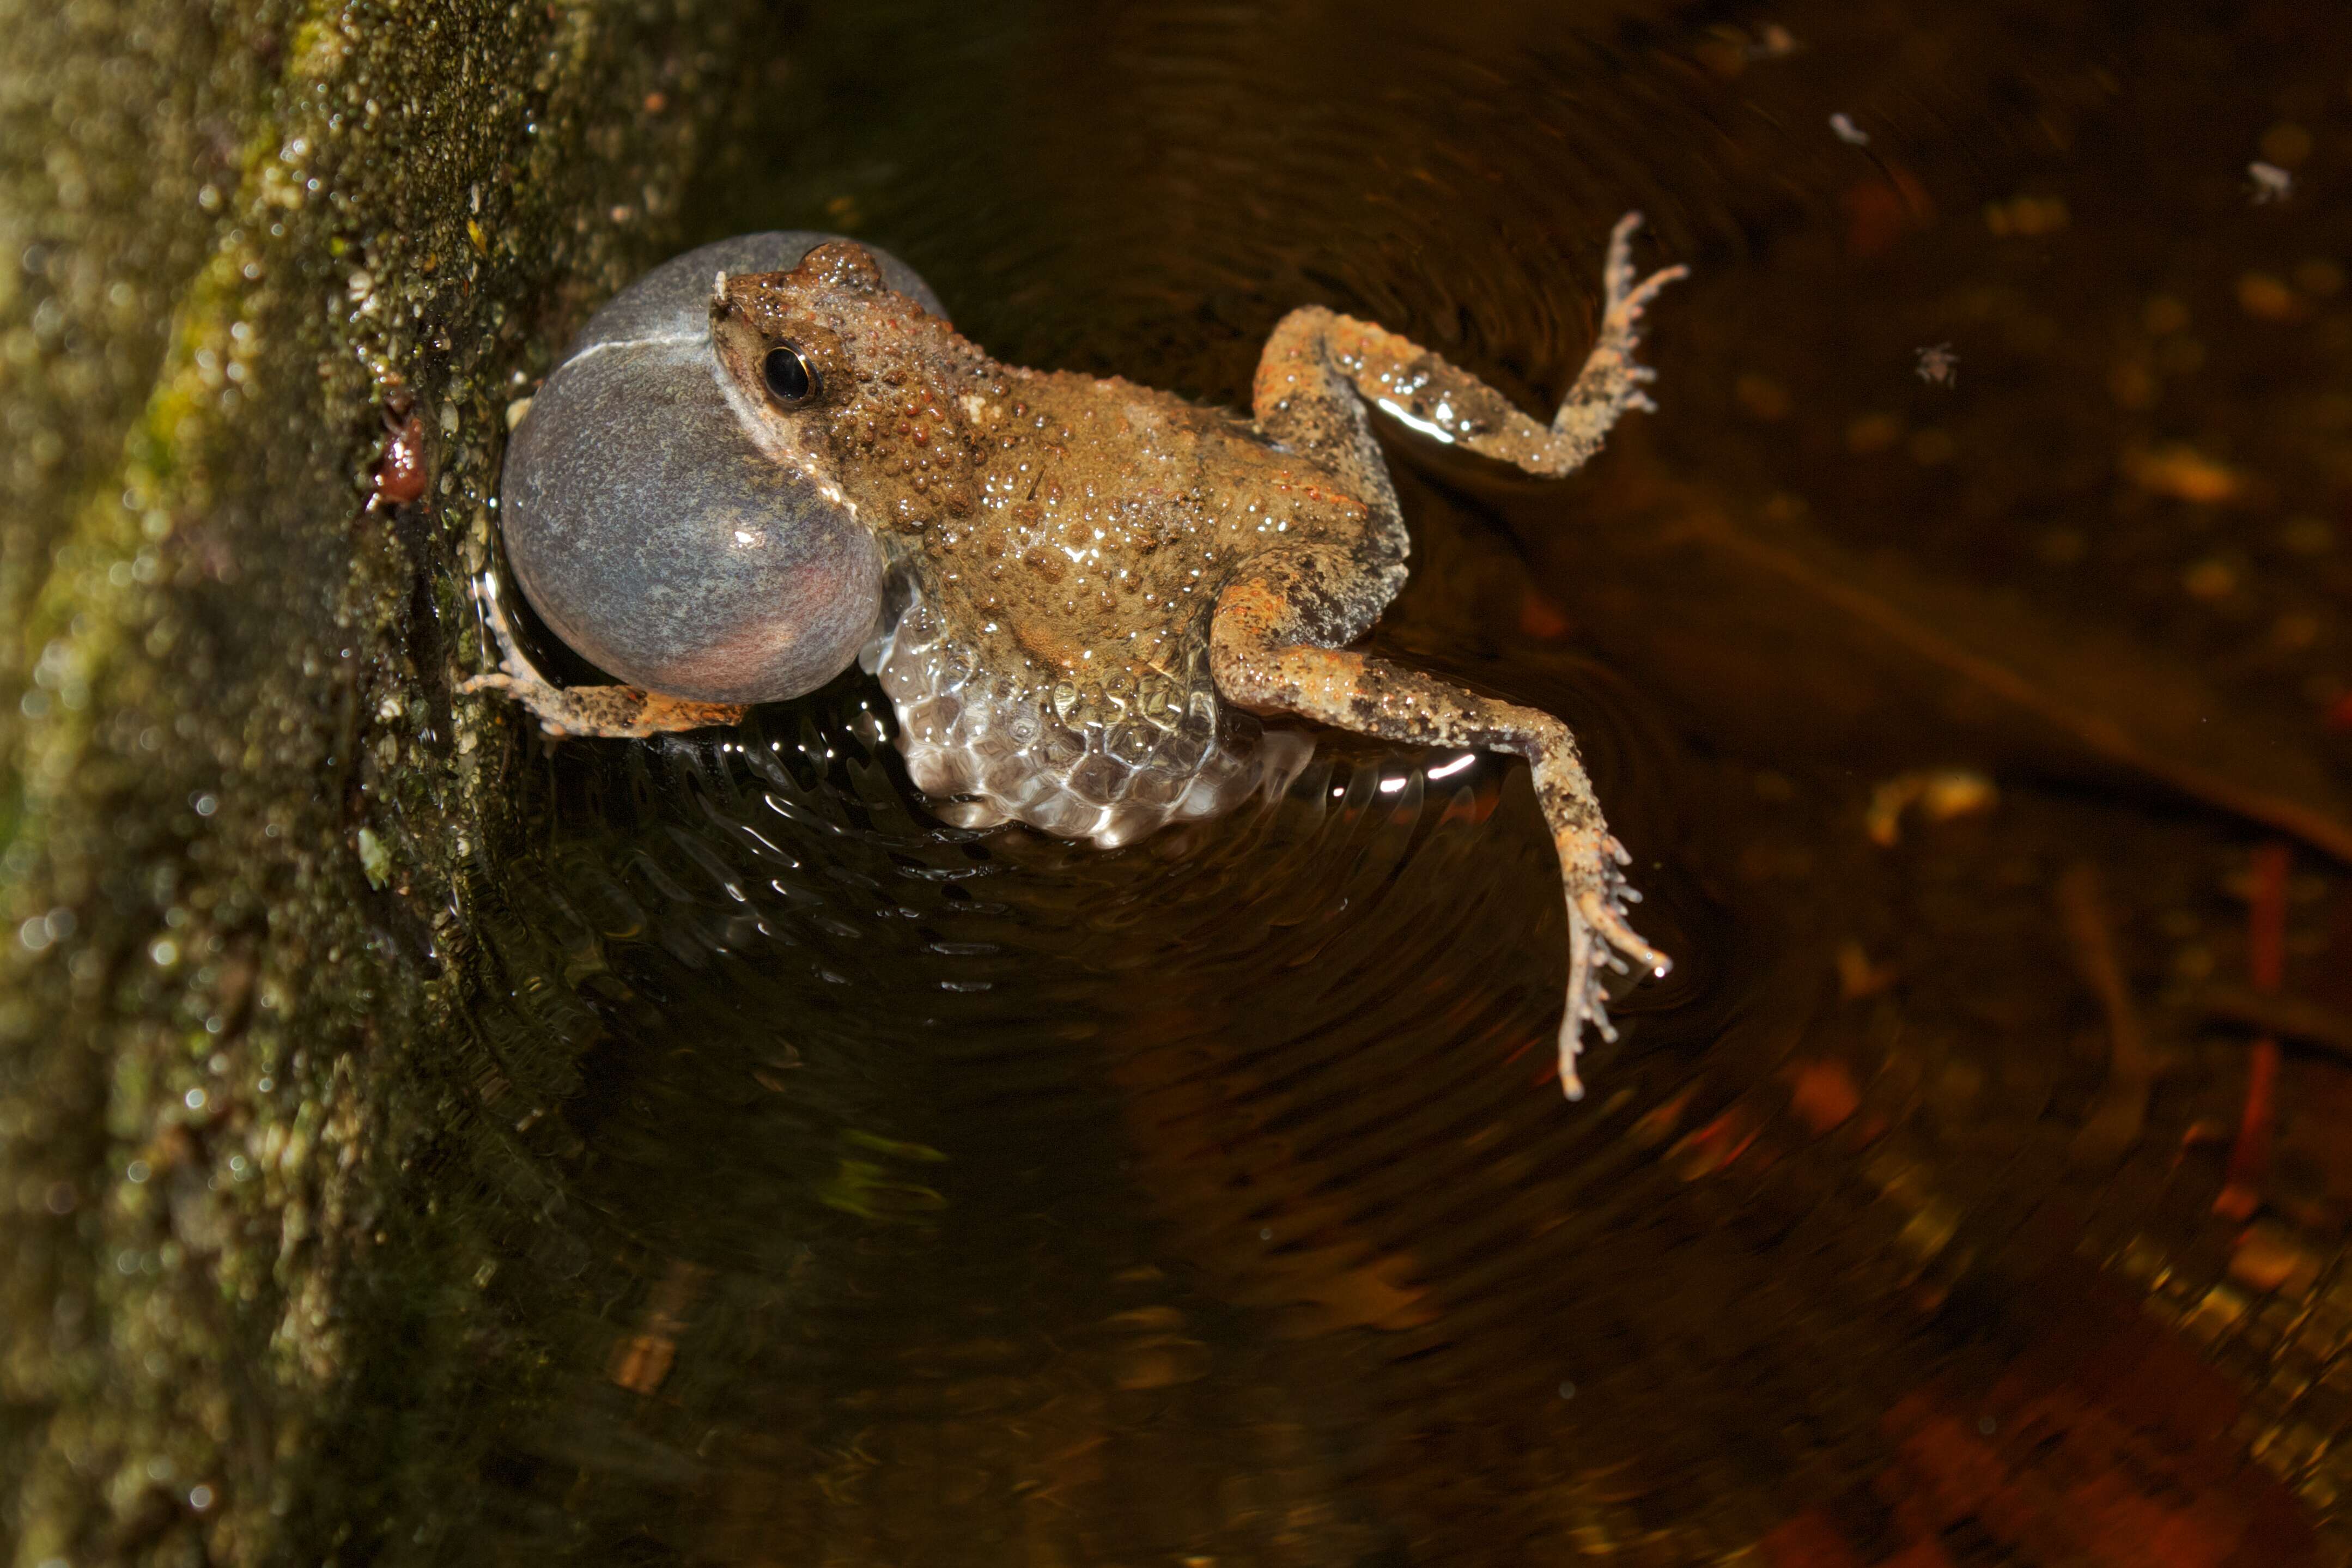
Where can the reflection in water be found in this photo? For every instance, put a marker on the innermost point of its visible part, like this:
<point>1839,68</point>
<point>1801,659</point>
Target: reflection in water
<point>880,1192</point>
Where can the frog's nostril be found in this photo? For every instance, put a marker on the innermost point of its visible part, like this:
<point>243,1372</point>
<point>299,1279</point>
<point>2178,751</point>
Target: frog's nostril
<point>790,377</point>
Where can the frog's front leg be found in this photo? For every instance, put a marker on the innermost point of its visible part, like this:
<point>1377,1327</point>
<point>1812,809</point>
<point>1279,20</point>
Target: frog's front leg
<point>620,712</point>
<point>1259,664</point>
<point>1310,347</point>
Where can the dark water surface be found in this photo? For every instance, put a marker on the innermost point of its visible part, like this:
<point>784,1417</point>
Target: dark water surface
<point>882,1192</point>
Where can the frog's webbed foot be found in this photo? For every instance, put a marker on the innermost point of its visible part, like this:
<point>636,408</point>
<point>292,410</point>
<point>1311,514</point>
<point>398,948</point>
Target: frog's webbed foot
<point>1611,382</point>
<point>1260,666</point>
<point>619,712</point>
<point>1597,896</point>
<point>1321,369</point>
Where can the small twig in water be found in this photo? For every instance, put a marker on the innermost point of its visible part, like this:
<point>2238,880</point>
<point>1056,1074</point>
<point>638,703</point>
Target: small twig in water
<point>2119,1111</point>
<point>2250,1157</point>
<point>2292,1018</point>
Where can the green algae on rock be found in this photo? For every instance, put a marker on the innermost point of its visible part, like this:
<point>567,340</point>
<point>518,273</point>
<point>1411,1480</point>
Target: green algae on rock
<point>238,803</point>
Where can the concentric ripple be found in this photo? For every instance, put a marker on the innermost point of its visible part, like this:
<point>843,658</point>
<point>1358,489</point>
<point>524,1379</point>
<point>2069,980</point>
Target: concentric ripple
<point>936,1186</point>
<point>861,1086</point>
<point>880,1189</point>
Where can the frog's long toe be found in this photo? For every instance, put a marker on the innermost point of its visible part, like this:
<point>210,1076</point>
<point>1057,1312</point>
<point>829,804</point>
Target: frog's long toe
<point>1598,936</point>
<point>1611,380</point>
<point>619,712</point>
<point>1624,299</point>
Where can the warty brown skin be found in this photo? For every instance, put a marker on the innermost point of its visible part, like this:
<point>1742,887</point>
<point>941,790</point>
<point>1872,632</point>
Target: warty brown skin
<point>1069,528</point>
<point>1093,547</point>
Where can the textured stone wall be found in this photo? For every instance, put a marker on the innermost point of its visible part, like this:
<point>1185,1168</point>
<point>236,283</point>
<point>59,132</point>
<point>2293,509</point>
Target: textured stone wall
<point>240,246</point>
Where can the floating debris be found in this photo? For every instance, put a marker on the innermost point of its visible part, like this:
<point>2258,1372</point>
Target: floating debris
<point>2184,474</point>
<point>2270,184</point>
<point>1857,976</point>
<point>641,1362</point>
<point>1850,133</point>
<point>2267,298</point>
<point>1823,1093</point>
<point>1940,794</point>
<point>2027,216</point>
<point>1938,365</point>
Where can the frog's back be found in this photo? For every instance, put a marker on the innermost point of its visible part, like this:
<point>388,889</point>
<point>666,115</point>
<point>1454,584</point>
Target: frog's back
<point>1049,657</point>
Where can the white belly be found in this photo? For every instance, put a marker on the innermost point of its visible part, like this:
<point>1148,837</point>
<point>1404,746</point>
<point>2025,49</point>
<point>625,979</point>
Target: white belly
<point>1110,766</point>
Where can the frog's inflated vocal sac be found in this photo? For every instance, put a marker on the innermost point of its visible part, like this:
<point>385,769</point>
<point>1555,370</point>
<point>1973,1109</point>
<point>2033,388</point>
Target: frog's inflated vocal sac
<point>774,455</point>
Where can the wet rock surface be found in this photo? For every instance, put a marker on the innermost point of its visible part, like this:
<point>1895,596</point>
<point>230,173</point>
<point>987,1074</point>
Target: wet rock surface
<point>272,275</point>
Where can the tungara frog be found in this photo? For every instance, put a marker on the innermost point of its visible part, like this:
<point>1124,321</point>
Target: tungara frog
<point>774,455</point>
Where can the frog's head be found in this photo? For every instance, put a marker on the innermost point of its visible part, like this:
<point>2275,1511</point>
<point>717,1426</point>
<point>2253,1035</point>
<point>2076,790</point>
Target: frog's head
<point>800,350</point>
<point>671,532</point>
<point>848,379</point>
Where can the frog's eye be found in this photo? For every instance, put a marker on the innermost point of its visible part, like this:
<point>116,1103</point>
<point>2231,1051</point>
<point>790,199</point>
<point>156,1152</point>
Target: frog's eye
<point>791,380</point>
<point>650,514</point>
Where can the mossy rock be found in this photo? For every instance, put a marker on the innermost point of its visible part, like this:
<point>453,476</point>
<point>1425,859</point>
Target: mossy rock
<point>242,802</point>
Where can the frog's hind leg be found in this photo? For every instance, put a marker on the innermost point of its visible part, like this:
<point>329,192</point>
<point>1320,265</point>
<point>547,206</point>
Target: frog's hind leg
<point>620,712</point>
<point>1260,663</point>
<point>1316,357</point>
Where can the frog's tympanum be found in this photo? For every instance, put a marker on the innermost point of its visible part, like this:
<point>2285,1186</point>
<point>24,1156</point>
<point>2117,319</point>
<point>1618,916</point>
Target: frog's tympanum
<point>774,455</point>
